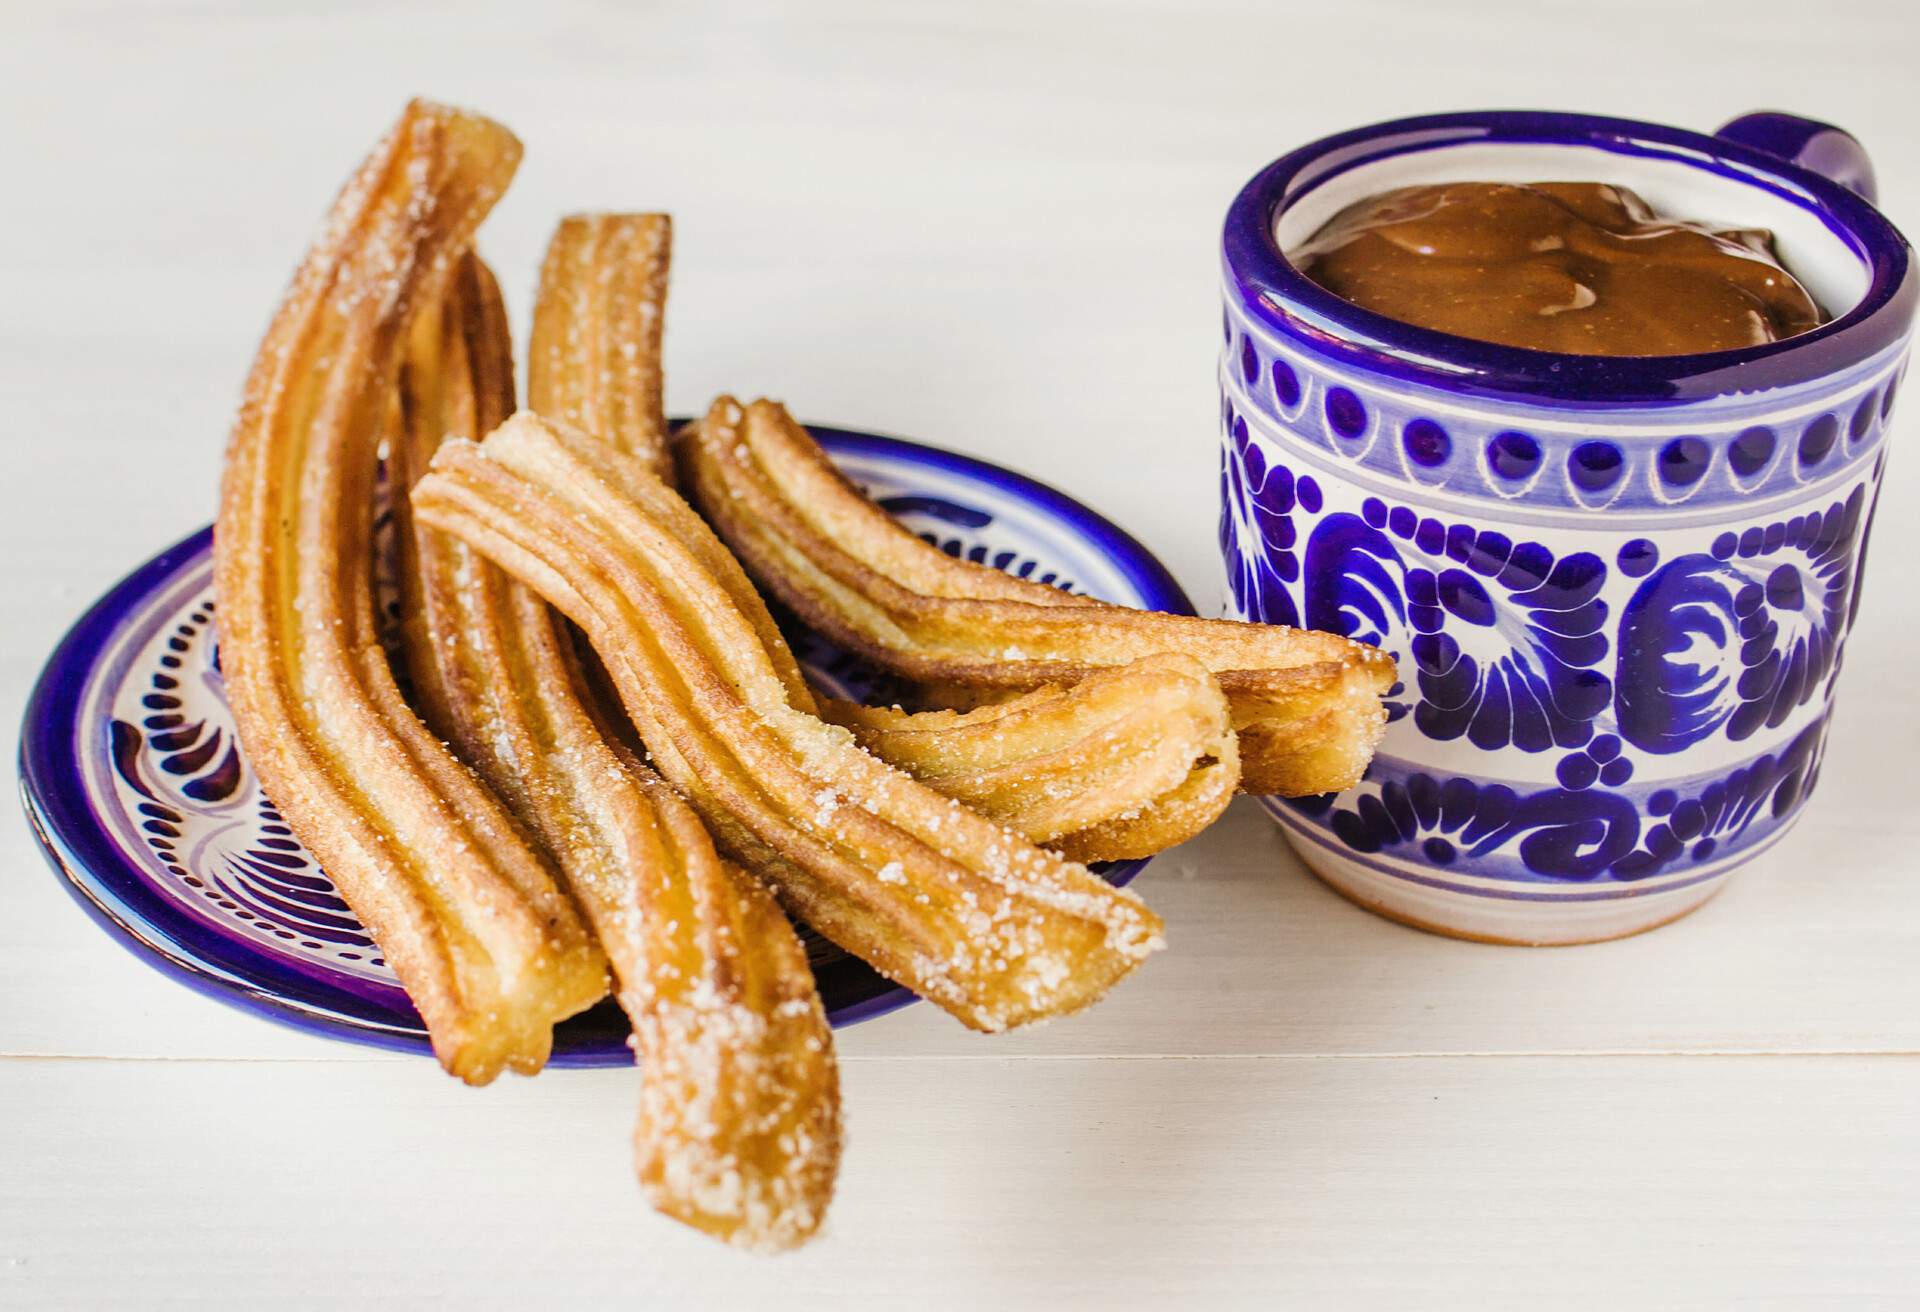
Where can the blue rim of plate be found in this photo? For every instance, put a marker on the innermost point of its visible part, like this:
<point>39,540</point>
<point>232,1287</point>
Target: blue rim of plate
<point>118,894</point>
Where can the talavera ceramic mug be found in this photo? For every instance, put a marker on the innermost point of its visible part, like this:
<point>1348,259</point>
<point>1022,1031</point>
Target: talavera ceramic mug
<point>1618,588</point>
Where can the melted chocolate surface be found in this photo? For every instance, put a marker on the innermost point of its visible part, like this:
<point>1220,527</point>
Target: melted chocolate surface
<point>1584,268</point>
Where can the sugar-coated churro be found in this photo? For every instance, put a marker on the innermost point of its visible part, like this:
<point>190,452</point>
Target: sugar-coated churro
<point>963,911</point>
<point>1306,704</point>
<point>595,366</point>
<point>1125,763</point>
<point>488,947</point>
<point>595,357</point>
<point>739,1130</point>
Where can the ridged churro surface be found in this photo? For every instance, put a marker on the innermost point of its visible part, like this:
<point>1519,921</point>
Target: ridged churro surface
<point>594,361</point>
<point>488,947</point>
<point>1125,763</point>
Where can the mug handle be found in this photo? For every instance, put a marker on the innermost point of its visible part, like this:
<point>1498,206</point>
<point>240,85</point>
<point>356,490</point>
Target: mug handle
<point>1811,144</point>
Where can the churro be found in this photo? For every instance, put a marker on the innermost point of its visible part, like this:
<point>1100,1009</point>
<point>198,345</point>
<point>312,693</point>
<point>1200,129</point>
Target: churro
<point>739,1131</point>
<point>594,364</point>
<point>464,908</point>
<point>1125,763</point>
<point>1306,704</point>
<point>963,911</point>
<point>595,357</point>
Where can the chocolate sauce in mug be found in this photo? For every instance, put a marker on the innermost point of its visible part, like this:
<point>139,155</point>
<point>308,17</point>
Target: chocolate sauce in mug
<point>1578,267</point>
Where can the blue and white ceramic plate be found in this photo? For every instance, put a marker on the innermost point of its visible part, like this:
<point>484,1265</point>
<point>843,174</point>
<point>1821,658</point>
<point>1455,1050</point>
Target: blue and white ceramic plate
<point>138,792</point>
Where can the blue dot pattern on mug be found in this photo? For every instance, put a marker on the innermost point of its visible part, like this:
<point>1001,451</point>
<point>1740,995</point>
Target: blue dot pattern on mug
<point>1595,466</point>
<point>1427,443</point>
<point>1684,461</point>
<point>1558,466</point>
<point>1345,414</point>
<point>1751,450</point>
<point>1513,456</point>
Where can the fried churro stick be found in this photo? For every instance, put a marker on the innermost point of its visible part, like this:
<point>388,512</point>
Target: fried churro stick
<point>595,366</point>
<point>966,913</point>
<point>739,1128</point>
<point>490,950</point>
<point>1306,704</point>
<point>1123,764</point>
<point>595,357</point>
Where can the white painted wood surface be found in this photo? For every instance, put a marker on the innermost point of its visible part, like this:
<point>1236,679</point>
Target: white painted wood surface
<point>990,227</point>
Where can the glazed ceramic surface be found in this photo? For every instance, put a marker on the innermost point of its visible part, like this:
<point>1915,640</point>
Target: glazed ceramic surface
<point>1618,589</point>
<point>144,803</point>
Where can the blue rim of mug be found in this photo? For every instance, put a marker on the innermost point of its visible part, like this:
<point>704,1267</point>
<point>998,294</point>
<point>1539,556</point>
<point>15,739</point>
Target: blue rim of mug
<point>1291,304</point>
<point>118,895</point>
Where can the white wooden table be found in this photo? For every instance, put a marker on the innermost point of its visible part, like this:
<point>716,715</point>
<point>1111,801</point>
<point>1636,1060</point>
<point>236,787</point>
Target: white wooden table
<point>990,227</point>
